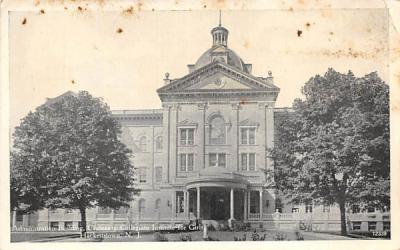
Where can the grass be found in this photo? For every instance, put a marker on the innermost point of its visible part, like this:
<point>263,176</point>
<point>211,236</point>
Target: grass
<point>270,235</point>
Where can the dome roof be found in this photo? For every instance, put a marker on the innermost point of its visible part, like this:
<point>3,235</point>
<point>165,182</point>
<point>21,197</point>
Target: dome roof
<point>228,56</point>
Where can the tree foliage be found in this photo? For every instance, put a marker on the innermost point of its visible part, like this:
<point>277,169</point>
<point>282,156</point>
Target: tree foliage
<point>67,154</point>
<point>334,146</point>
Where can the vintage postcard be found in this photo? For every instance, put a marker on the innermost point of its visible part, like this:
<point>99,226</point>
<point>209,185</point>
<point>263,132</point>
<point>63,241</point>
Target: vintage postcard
<point>245,123</point>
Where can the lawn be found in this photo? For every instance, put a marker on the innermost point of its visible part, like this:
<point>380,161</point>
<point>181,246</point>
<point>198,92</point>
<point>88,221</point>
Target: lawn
<point>267,235</point>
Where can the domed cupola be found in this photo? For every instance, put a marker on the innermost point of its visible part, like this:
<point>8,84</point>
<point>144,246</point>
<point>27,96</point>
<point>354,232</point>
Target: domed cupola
<point>220,35</point>
<point>219,52</point>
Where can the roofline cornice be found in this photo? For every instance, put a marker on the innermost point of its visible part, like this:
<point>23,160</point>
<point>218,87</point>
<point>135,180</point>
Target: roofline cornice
<point>199,71</point>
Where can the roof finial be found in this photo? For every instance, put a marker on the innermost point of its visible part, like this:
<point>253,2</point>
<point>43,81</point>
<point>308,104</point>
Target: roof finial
<point>219,18</point>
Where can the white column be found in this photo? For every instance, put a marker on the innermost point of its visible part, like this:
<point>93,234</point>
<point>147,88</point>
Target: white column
<point>187,204</point>
<point>248,202</point>
<point>232,204</point>
<point>173,204</point>
<point>261,204</point>
<point>184,203</point>
<point>245,205</point>
<point>198,202</point>
<point>14,219</point>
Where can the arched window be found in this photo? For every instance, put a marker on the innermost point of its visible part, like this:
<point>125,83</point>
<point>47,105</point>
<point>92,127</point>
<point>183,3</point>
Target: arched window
<point>143,144</point>
<point>159,143</point>
<point>157,204</point>
<point>142,207</point>
<point>217,130</point>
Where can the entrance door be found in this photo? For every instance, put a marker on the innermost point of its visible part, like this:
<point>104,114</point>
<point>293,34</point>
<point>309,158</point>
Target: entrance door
<point>219,203</point>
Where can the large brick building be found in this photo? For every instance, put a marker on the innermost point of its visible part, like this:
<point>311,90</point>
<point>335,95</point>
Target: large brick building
<point>203,154</point>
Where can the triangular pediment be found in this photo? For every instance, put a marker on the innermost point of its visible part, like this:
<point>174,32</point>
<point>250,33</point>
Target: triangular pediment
<point>218,76</point>
<point>219,80</point>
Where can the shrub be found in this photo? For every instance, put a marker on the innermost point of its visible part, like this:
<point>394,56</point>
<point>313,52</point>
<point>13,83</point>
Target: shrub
<point>160,237</point>
<point>210,227</point>
<point>211,239</point>
<point>280,236</point>
<point>185,238</point>
<point>299,236</point>
<point>243,238</point>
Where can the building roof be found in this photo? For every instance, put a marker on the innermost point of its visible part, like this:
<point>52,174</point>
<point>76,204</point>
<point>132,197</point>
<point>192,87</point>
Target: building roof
<point>211,54</point>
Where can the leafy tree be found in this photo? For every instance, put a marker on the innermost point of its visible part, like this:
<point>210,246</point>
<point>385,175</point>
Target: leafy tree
<point>334,146</point>
<point>67,154</point>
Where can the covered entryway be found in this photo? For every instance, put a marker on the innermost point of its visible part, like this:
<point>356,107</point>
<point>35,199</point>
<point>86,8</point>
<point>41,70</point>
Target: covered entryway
<point>221,196</point>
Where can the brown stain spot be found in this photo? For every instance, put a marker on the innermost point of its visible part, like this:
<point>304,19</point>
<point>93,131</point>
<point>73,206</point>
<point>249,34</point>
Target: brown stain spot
<point>129,11</point>
<point>369,30</point>
<point>152,9</point>
<point>65,8</point>
<point>308,25</point>
<point>119,30</point>
<point>242,101</point>
<point>291,9</point>
<point>80,9</point>
<point>42,12</point>
<point>299,32</point>
<point>24,21</point>
<point>205,6</point>
<point>331,33</point>
<point>72,81</point>
<point>37,2</point>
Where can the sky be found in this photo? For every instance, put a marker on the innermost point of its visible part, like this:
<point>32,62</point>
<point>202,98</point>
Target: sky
<point>123,57</point>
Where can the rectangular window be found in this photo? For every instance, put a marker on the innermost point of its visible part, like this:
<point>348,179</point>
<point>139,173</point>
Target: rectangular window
<point>20,216</point>
<point>158,174</point>
<point>221,160</point>
<point>278,205</point>
<point>68,225</point>
<point>213,160</point>
<point>309,208</point>
<point>183,136</point>
<point>252,161</point>
<point>252,136</point>
<point>54,225</point>
<point>295,210</point>
<point>243,132</point>
<point>190,162</point>
<point>217,160</point>
<point>183,162</point>
<point>356,225</point>
<point>186,162</point>
<point>248,161</point>
<point>179,202</point>
<point>248,136</point>
<point>187,136</point>
<point>244,161</point>
<point>190,137</point>
<point>142,175</point>
<point>386,226</point>
<point>254,202</point>
<point>371,225</point>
